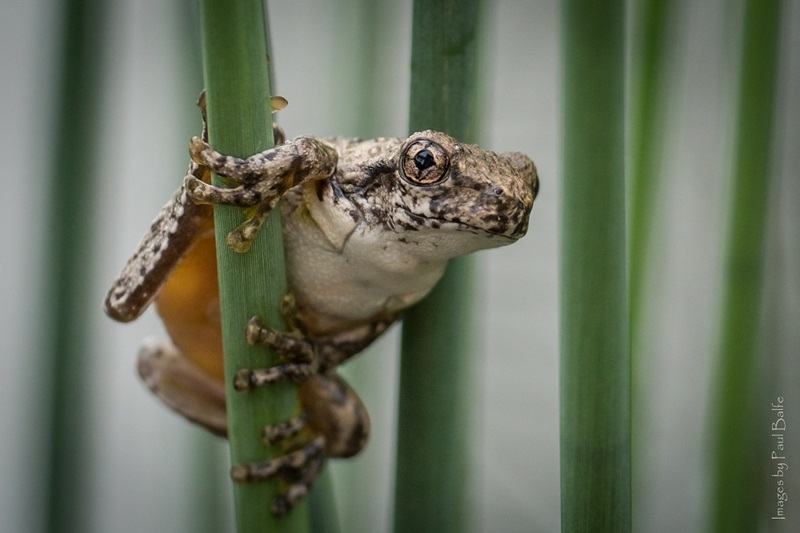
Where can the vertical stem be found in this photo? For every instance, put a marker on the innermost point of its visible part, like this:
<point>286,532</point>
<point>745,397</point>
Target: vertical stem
<point>595,362</point>
<point>431,481</point>
<point>64,330</point>
<point>736,481</point>
<point>239,119</point>
<point>207,512</point>
<point>431,474</point>
<point>323,512</point>
<point>653,26</point>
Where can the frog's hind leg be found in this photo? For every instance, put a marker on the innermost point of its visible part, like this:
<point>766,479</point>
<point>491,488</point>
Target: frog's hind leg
<point>334,423</point>
<point>334,410</point>
<point>182,386</point>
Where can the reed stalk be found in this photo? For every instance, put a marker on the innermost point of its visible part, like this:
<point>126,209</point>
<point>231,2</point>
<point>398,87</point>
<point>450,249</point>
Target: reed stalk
<point>595,361</point>
<point>437,350</point>
<point>237,82</point>
<point>68,245</point>
<point>737,481</point>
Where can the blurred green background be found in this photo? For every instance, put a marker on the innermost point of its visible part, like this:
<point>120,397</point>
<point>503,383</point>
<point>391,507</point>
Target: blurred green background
<point>344,66</point>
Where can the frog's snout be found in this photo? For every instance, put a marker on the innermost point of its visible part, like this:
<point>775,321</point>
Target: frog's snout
<point>507,208</point>
<point>522,225</point>
<point>523,167</point>
<point>524,189</point>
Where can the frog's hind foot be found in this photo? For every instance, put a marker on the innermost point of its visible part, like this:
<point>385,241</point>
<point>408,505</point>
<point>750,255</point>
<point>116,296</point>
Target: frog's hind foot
<point>293,462</point>
<point>298,468</point>
<point>303,356</point>
<point>333,423</point>
<point>298,356</point>
<point>277,433</point>
<point>285,502</point>
<point>305,444</point>
<point>251,378</point>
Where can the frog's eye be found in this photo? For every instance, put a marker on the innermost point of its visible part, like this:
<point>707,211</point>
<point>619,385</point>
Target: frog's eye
<point>424,163</point>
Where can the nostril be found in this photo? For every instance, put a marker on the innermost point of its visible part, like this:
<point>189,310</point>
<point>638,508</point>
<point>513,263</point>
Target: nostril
<point>497,191</point>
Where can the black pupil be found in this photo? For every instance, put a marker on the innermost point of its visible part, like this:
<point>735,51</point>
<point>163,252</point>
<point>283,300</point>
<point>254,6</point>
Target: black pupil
<point>424,159</point>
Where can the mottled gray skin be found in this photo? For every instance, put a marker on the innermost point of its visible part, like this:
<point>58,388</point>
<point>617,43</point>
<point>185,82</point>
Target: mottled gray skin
<point>368,229</point>
<point>383,240</point>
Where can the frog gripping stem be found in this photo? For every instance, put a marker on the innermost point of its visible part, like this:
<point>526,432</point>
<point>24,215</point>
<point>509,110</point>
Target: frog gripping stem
<point>364,222</point>
<point>259,181</point>
<point>248,379</point>
<point>274,434</point>
<point>295,461</point>
<point>299,468</point>
<point>303,462</point>
<point>298,349</point>
<point>299,355</point>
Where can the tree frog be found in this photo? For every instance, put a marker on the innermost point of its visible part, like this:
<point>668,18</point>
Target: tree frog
<point>369,226</point>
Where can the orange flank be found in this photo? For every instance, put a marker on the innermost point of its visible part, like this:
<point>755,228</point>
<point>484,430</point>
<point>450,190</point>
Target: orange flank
<point>188,303</point>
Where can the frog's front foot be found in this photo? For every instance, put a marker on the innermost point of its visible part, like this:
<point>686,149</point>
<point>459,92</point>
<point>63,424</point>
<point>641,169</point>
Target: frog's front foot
<point>259,181</point>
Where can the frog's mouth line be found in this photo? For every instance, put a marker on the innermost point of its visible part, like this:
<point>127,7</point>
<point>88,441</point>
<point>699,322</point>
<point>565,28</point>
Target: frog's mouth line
<point>442,223</point>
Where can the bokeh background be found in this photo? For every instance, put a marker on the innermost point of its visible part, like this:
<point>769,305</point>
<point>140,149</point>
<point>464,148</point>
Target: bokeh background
<point>344,67</point>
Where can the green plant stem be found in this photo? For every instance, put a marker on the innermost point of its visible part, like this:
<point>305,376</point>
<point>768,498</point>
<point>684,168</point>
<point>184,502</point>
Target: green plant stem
<point>239,120</point>
<point>66,299</point>
<point>737,484</point>
<point>435,375</point>
<point>653,27</point>
<point>208,512</point>
<point>323,514</point>
<point>595,362</point>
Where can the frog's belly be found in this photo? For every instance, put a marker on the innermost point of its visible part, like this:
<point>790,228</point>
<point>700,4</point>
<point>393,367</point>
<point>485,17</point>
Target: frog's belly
<point>338,289</point>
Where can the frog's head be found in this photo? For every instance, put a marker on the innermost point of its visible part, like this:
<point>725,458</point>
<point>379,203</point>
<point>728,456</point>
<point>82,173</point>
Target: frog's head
<point>452,187</point>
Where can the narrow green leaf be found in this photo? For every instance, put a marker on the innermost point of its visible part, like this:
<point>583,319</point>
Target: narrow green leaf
<point>737,484</point>
<point>235,66</point>
<point>68,246</point>
<point>652,45</point>
<point>595,362</point>
<point>208,512</point>
<point>435,375</point>
<point>323,514</point>
<point>653,27</point>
